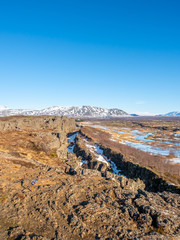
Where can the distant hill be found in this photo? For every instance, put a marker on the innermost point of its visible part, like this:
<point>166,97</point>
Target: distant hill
<point>173,114</point>
<point>77,112</point>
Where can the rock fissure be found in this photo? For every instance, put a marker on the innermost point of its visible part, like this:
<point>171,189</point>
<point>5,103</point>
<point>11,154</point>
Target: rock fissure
<point>134,171</point>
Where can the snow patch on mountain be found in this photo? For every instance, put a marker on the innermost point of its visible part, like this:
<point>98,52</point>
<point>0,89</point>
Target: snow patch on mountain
<point>3,108</point>
<point>175,113</point>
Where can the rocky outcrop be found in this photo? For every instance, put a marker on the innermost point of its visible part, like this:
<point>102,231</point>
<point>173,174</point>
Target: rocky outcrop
<point>89,156</point>
<point>60,124</point>
<point>152,181</point>
<point>51,130</point>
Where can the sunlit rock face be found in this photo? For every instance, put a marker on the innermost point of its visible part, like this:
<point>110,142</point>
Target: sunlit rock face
<point>52,130</point>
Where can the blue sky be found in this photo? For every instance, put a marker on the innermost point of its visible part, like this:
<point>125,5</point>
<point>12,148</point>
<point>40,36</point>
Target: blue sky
<point>115,54</point>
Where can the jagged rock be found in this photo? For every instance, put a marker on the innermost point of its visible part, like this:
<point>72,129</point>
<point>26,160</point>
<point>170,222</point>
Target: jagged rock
<point>49,133</point>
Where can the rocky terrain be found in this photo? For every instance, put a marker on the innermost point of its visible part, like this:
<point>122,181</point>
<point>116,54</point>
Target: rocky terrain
<point>76,112</point>
<point>49,192</point>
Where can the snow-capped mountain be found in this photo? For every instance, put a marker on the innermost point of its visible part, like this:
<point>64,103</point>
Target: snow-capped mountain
<point>173,114</point>
<point>3,108</point>
<point>5,111</point>
<point>77,112</point>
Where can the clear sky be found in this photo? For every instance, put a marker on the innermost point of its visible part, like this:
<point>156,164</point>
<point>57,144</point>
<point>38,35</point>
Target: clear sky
<point>109,53</point>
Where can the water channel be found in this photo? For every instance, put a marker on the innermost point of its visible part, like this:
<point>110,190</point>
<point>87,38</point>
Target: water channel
<point>147,147</point>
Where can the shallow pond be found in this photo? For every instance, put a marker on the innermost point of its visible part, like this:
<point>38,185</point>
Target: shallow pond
<point>147,147</point>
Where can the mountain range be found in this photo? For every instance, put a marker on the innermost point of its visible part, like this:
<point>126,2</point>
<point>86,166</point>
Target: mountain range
<point>172,114</point>
<point>76,112</point>
<point>69,111</point>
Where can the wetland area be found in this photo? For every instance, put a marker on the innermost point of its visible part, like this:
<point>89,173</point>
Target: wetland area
<point>145,137</point>
<point>151,142</point>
